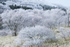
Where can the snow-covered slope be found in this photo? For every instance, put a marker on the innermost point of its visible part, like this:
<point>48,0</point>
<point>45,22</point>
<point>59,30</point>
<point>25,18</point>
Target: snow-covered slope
<point>32,4</point>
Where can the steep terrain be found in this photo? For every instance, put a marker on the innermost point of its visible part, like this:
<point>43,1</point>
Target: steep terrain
<point>34,4</point>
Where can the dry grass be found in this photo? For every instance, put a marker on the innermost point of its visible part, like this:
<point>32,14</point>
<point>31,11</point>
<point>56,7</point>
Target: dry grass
<point>7,41</point>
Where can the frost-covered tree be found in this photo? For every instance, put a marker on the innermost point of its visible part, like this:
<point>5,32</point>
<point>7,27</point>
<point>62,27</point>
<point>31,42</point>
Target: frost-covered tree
<point>19,18</point>
<point>3,8</point>
<point>68,16</point>
<point>53,18</point>
<point>35,36</point>
<point>3,33</point>
<point>63,33</point>
<point>12,20</point>
<point>16,19</point>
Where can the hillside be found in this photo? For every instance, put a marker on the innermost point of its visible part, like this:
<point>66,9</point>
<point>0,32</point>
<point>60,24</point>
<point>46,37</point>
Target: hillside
<point>27,4</point>
<point>34,23</point>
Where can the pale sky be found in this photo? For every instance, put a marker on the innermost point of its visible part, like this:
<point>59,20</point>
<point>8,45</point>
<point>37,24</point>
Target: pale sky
<point>60,2</point>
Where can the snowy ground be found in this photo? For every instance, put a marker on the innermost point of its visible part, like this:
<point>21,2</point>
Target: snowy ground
<point>9,41</point>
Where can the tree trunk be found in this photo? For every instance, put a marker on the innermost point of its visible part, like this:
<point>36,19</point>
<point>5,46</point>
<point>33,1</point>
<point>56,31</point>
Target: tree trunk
<point>15,30</point>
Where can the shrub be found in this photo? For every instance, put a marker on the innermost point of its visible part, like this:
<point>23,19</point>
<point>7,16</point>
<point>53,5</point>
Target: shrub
<point>35,35</point>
